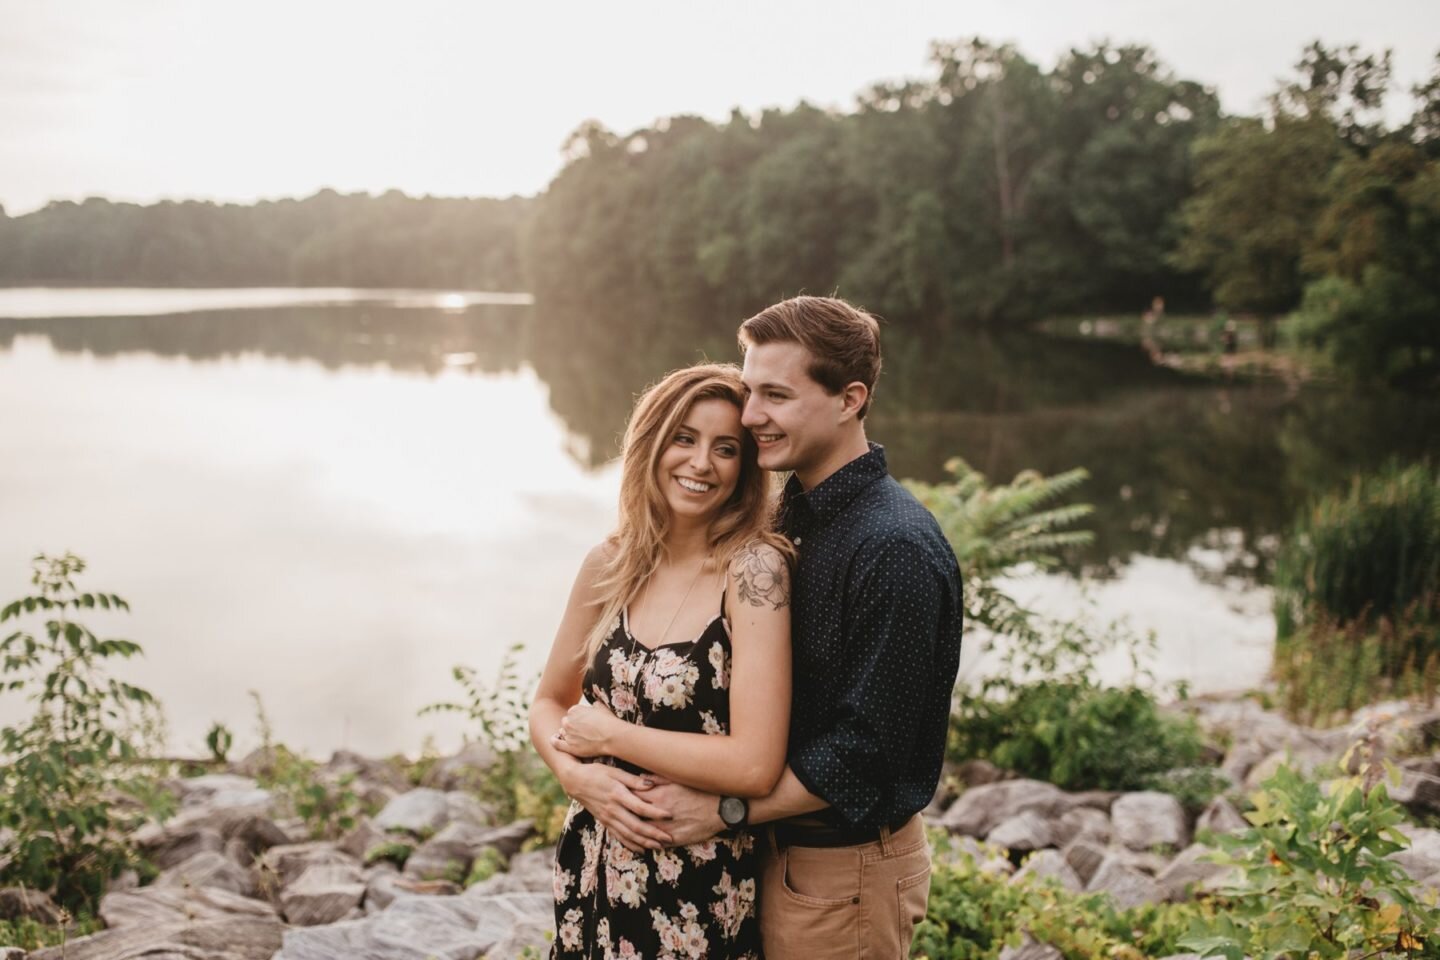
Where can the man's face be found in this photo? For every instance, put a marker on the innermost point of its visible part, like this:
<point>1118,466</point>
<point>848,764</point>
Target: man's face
<point>793,419</point>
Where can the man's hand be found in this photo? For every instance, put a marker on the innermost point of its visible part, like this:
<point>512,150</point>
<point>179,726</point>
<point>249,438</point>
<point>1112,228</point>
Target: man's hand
<point>694,815</point>
<point>612,797</point>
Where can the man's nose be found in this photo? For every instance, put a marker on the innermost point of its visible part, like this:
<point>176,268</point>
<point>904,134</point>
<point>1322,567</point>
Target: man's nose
<point>750,413</point>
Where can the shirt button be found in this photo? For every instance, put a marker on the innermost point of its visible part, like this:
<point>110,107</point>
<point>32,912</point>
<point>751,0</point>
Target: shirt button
<point>797,541</point>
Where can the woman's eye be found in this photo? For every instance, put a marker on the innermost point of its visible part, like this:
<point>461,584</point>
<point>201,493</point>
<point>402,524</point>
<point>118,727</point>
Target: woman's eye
<point>726,451</point>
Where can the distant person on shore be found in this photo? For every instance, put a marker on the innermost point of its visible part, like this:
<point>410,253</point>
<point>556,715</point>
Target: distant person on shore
<point>876,621</point>
<point>678,634</point>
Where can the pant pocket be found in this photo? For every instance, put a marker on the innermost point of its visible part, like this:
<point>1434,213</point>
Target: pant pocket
<point>825,877</point>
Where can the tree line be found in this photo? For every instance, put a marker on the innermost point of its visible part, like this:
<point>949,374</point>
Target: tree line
<point>328,239</point>
<point>989,191</point>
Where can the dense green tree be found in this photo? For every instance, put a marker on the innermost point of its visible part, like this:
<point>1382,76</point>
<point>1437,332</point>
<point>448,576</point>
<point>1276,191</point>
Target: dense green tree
<point>1258,193</point>
<point>325,240</point>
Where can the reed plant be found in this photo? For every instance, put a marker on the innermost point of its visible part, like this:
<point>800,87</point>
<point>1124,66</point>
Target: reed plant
<point>1357,596</point>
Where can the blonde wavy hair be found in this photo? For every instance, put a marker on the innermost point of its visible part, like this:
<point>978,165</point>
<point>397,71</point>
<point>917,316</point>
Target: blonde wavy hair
<point>638,542</point>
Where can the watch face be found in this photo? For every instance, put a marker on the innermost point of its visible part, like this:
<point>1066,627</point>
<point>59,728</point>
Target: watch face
<point>732,810</point>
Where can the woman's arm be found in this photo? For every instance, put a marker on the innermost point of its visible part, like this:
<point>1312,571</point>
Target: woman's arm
<point>607,792</point>
<point>749,759</point>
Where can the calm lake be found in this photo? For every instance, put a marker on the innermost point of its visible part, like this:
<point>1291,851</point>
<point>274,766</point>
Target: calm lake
<point>333,497</point>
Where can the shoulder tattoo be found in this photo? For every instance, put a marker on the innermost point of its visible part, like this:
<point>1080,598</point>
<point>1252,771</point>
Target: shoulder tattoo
<point>761,577</point>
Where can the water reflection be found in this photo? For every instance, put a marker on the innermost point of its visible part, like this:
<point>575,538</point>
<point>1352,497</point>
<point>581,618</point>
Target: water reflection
<point>488,337</point>
<point>1201,471</point>
<point>1181,467</point>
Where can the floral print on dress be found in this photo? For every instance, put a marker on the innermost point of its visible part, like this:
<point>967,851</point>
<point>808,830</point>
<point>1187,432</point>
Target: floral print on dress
<point>695,902</point>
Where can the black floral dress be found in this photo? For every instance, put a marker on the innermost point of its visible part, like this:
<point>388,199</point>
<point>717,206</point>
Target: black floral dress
<point>684,903</point>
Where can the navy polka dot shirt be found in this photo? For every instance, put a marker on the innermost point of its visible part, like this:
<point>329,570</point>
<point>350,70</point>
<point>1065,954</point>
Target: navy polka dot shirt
<point>875,623</point>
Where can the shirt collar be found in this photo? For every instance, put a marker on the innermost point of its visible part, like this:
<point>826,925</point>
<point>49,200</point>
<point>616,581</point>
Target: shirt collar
<point>835,492</point>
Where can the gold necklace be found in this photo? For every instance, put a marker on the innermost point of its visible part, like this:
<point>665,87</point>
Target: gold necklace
<point>666,632</point>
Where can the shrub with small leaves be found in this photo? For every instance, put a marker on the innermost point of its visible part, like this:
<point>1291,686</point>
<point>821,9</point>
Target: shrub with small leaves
<point>395,851</point>
<point>328,807</point>
<point>518,784</point>
<point>61,770</point>
<point>1314,880</point>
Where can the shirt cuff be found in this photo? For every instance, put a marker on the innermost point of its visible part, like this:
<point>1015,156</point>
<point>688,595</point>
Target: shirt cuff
<point>821,770</point>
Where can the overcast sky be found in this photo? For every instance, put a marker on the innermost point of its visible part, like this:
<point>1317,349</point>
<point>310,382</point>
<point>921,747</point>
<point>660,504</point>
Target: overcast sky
<point>144,99</point>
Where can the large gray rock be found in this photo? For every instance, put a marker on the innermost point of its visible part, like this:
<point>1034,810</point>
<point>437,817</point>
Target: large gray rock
<point>1125,885</point>
<point>1422,857</point>
<point>21,903</point>
<point>454,848</point>
<point>418,928</point>
<point>1191,871</point>
<point>981,809</point>
<point>324,893</point>
<point>1085,857</point>
<point>1418,791</point>
<point>535,869</point>
<point>463,771</point>
<point>222,790</point>
<point>1149,819</point>
<point>210,869</point>
<point>1221,817</point>
<point>422,812</point>
<point>1082,822</point>
<point>1022,832</point>
<point>154,906</point>
<point>1302,757</point>
<point>173,847</point>
<point>384,885</point>
<point>231,938</point>
<point>362,838</point>
<point>1050,864</point>
<point>287,862</point>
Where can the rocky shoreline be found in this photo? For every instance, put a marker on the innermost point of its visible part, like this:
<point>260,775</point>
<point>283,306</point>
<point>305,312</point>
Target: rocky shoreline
<point>240,880</point>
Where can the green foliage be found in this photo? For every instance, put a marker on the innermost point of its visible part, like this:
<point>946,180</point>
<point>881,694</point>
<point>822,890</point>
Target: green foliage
<point>31,935</point>
<point>328,807</point>
<point>996,530</point>
<point>396,851</point>
<point>1044,715</point>
<point>988,191</point>
<point>1357,594</point>
<point>219,740</point>
<point>486,865</point>
<point>61,829</point>
<point>1313,880</point>
<point>517,784</point>
<point>328,239</point>
<point>1377,251</point>
<point>974,915</point>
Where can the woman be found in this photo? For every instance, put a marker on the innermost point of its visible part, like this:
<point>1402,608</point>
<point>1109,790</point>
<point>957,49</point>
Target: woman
<point>678,632</point>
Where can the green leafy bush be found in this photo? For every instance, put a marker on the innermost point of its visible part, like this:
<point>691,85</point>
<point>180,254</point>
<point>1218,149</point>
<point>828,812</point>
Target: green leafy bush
<point>994,530</point>
<point>974,915</point>
<point>30,934</point>
<point>1313,880</point>
<point>61,770</point>
<point>395,851</point>
<point>1357,595</point>
<point>517,784</point>
<point>329,808</point>
<point>1045,716</point>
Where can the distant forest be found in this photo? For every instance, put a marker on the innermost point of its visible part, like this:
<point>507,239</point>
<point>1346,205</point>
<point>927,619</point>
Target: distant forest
<point>990,191</point>
<point>327,240</point>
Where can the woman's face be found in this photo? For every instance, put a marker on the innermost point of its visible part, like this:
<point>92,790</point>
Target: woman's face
<point>700,463</point>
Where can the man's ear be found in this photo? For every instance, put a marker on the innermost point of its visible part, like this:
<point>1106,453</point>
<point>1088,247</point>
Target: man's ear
<point>852,398</point>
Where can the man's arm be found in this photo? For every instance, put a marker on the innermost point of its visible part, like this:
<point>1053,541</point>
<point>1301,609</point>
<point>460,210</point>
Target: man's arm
<point>695,814</point>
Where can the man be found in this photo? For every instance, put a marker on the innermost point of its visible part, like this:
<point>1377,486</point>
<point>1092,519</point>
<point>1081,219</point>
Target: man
<point>876,618</point>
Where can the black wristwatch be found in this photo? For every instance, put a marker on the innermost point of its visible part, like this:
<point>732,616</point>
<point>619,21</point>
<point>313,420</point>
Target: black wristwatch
<point>735,811</point>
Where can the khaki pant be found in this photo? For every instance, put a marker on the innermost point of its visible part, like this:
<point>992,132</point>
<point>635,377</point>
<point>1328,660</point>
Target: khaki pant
<point>845,902</point>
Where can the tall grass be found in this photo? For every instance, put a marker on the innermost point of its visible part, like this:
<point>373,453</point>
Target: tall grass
<point>1357,595</point>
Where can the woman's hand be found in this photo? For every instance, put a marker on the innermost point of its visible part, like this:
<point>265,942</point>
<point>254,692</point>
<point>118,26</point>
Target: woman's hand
<point>609,794</point>
<point>585,731</point>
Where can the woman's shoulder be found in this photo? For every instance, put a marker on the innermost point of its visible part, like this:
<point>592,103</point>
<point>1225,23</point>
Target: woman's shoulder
<point>760,563</point>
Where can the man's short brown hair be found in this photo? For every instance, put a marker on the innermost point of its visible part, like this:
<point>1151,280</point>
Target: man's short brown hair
<point>843,340</point>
